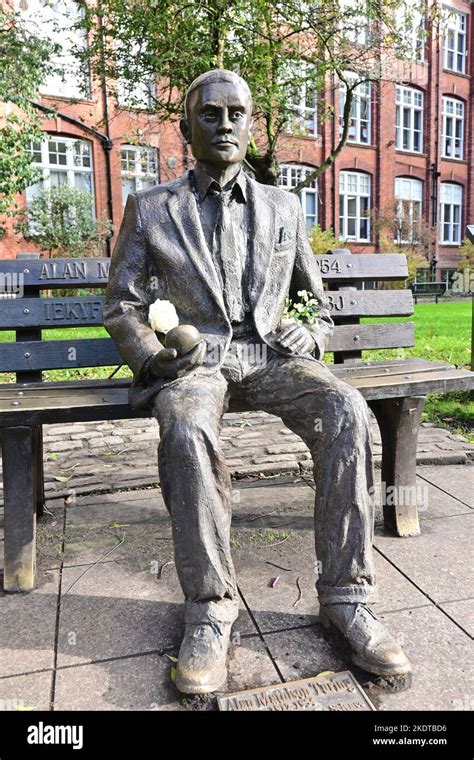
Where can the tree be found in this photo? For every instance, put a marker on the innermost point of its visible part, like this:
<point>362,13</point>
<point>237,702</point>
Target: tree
<point>287,51</point>
<point>24,62</point>
<point>61,221</point>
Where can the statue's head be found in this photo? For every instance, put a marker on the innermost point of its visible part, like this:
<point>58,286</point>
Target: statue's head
<point>218,118</point>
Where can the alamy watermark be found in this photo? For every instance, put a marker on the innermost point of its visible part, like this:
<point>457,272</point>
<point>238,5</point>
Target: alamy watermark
<point>11,285</point>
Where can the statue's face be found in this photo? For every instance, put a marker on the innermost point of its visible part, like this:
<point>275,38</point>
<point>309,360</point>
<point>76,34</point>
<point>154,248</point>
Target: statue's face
<point>218,125</point>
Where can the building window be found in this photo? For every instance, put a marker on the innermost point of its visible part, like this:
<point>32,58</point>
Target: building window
<point>290,176</point>
<point>302,101</point>
<point>409,119</point>
<point>450,213</point>
<point>455,34</point>
<point>408,194</point>
<point>411,28</point>
<point>56,20</point>
<point>453,128</point>
<point>355,22</point>
<point>354,206</point>
<point>139,169</point>
<point>359,127</point>
<point>61,160</point>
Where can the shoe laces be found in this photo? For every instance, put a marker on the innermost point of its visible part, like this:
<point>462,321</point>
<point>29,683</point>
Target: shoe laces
<point>203,633</point>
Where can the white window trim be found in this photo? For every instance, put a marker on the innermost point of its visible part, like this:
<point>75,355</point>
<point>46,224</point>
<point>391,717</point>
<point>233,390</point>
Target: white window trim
<point>415,197</point>
<point>450,24</point>
<point>55,21</point>
<point>70,169</point>
<point>415,33</point>
<point>302,171</point>
<point>344,217</point>
<point>455,118</point>
<point>356,112</point>
<point>452,188</point>
<point>302,113</point>
<point>138,175</point>
<point>412,108</point>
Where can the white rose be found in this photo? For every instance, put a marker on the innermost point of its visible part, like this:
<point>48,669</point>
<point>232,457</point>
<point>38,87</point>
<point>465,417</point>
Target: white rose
<point>162,316</point>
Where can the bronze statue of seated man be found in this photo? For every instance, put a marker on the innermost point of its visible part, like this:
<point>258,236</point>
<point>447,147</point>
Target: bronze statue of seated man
<point>227,252</point>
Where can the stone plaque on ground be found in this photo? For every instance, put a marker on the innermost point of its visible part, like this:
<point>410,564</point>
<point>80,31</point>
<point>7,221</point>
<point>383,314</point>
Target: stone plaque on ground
<point>336,691</point>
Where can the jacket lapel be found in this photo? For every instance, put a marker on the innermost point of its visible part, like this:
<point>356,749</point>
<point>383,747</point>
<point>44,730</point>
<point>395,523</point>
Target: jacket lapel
<point>183,210</point>
<point>262,237</point>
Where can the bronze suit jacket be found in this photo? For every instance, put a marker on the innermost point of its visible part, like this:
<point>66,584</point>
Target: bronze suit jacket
<point>161,253</point>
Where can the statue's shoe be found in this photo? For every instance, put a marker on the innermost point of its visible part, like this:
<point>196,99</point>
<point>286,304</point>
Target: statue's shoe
<point>202,659</point>
<point>373,648</point>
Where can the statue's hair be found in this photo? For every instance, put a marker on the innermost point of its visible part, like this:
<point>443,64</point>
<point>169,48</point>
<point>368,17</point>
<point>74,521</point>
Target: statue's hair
<point>215,75</point>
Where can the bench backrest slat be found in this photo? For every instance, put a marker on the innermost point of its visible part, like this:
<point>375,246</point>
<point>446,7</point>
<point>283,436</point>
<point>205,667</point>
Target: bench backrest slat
<point>80,311</point>
<point>366,337</point>
<point>58,354</point>
<point>22,309</point>
<point>364,266</point>
<point>87,311</point>
<point>54,273</point>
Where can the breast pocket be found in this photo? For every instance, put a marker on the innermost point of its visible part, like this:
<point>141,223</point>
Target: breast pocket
<point>284,249</point>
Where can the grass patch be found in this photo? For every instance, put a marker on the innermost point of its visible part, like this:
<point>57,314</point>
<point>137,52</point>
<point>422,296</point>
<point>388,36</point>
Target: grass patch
<point>268,537</point>
<point>442,333</point>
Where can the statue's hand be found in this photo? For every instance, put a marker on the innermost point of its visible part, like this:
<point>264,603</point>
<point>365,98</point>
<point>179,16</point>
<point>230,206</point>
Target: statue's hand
<point>296,338</point>
<point>167,364</point>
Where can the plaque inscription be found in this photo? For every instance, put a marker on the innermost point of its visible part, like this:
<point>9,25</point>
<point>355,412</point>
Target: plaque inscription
<point>335,692</point>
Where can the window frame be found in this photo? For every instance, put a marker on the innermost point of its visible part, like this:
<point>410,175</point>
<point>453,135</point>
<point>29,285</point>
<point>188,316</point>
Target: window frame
<point>412,108</point>
<point>344,217</point>
<point>356,117</point>
<point>455,120</point>
<point>452,223</point>
<point>448,18</point>
<point>74,82</point>
<point>413,218</point>
<point>302,114</point>
<point>69,169</point>
<point>139,177</point>
<point>296,171</point>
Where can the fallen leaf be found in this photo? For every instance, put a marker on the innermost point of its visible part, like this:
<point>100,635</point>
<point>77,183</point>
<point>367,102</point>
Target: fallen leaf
<point>63,478</point>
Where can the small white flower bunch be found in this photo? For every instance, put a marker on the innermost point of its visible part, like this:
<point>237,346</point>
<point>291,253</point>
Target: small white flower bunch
<point>305,310</point>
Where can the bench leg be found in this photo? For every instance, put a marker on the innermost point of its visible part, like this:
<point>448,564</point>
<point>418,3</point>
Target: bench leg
<point>39,471</point>
<point>399,422</point>
<point>20,513</point>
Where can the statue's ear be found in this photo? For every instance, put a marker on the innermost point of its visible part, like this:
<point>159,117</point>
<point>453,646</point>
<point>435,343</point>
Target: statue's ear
<point>185,130</point>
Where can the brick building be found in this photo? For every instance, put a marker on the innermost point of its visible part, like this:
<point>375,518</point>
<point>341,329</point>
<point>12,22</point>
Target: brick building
<point>411,147</point>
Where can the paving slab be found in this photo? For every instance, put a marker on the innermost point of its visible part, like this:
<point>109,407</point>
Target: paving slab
<point>439,561</point>
<point>435,502</point>
<point>129,683</point>
<point>116,610</point>
<point>293,562</point>
<point>144,682</point>
<point>26,692</point>
<point>441,656</point>
<point>27,630</point>
<point>462,612</point>
<point>440,653</point>
<point>303,652</point>
<point>457,480</point>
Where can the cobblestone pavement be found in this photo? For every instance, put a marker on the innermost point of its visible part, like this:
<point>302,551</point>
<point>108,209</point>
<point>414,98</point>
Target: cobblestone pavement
<point>102,457</point>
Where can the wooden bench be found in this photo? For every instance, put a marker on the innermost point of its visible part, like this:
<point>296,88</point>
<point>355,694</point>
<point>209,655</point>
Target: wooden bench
<point>395,390</point>
<point>428,290</point>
